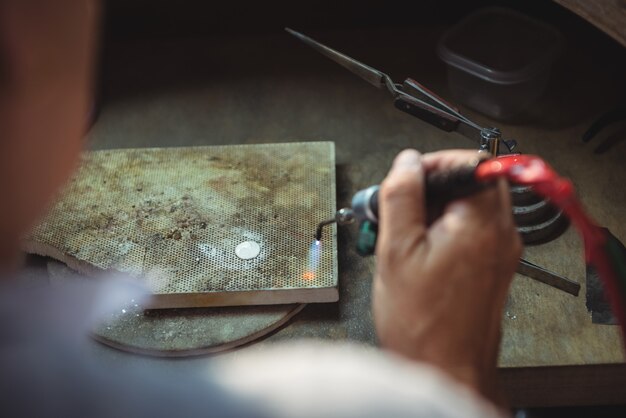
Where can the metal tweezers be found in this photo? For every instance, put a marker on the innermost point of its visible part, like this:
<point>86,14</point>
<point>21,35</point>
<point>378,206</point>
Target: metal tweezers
<point>411,97</point>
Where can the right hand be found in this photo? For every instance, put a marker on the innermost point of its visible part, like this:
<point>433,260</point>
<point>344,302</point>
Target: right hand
<point>440,290</point>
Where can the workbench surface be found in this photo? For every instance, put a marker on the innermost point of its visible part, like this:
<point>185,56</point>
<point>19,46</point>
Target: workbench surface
<point>270,88</point>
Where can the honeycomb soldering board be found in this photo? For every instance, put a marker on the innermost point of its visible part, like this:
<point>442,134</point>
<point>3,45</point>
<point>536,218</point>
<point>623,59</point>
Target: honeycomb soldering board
<point>174,217</point>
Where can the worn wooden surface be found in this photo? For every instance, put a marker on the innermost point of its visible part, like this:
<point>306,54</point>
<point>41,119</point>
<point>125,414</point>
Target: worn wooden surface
<point>608,15</point>
<point>565,385</point>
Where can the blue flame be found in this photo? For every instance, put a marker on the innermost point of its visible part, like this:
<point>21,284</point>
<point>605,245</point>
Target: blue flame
<point>314,257</point>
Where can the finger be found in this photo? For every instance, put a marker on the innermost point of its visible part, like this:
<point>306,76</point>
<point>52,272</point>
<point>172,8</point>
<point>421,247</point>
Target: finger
<point>479,209</point>
<point>401,199</point>
<point>449,159</point>
<point>483,213</point>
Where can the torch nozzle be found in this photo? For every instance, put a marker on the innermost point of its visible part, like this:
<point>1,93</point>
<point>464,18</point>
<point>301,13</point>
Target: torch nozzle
<point>343,216</point>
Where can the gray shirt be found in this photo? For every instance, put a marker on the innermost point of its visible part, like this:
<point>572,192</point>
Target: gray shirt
<point>47,372</point>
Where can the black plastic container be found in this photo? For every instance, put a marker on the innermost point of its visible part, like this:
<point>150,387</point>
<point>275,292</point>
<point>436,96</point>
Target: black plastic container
<point>499,61</point>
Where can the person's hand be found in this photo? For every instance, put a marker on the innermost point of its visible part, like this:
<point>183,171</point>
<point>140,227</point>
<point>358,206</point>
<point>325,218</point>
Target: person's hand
<point>440,289</point>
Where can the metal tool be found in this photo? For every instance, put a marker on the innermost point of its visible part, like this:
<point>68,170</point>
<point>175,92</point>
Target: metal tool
<point>413,98</point>
<point>344,216</point>
<point>548,277</point>
<point>535,224</point>
<point>440,188</point>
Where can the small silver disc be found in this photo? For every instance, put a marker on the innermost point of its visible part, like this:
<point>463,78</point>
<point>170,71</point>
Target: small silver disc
<point>247,250</point>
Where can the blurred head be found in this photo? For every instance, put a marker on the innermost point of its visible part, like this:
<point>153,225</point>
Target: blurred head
<point>46,58</point>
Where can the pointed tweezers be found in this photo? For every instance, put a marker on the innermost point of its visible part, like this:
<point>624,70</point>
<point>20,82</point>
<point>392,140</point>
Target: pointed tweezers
<point>420,97</point>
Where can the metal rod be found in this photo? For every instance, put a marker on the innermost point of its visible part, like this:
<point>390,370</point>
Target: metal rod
<point>320,226</point>
<point>379,79</point>
<point>545,276</point>
<point>367,73</point>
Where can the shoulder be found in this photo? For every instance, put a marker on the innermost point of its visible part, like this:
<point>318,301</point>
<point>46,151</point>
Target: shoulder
<point>315,379</point>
